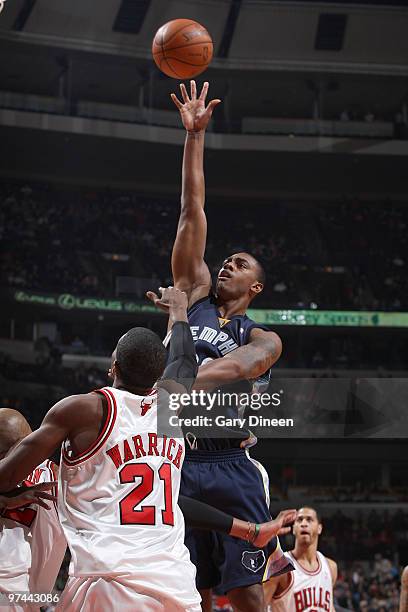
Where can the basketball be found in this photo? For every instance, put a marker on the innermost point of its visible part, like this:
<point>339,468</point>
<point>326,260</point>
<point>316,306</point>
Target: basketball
<point>182,48</point>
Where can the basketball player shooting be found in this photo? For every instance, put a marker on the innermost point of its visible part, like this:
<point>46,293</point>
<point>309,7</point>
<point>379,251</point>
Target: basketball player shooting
<point>310,587</point>
<point>230,347</point>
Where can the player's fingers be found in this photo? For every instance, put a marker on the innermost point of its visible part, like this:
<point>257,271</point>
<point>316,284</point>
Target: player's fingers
<point>184,93</point>
<point>193,88</point>
<point>162,304</point>
<point>43,486</point>
<point>176,101</point>
<point>212,105</point>
<point>152,296</point>
<point>41,503</point>
<point>44,495</point>
<point>284,530</point>
<point>287,516</point>
<point>204,91</point>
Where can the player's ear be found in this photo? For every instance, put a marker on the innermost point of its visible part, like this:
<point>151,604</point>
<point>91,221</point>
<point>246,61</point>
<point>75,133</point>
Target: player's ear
<point>319,528</point>
<point>113,372</point>
<point>256,287</point>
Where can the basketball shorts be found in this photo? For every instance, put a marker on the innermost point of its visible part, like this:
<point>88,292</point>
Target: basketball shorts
<point>17,584</point>
<point>233,482</point>
<point>102,593</point>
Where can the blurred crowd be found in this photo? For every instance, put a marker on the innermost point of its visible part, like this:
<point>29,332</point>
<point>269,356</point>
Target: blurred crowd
<point>343,255</point>
<point>368,587</point>
<point>369,533</point>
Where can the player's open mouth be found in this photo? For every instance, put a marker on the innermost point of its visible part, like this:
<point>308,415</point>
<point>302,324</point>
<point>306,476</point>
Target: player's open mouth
<point>224,275</point>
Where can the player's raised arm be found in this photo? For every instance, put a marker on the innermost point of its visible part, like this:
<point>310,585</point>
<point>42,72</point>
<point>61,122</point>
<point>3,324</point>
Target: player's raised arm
<point>190,273</point>
<point>71,413</point>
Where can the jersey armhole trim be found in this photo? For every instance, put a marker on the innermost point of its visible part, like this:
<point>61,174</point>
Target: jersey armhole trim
<point>103,436</point>
<point>291,581</point>
<point>51,467</point>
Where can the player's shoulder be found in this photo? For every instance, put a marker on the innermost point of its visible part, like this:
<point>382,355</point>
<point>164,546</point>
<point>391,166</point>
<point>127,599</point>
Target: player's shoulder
<point>74,407</point>
<point>207,301</point>
<point>333,568</point>
<point>404,576</point>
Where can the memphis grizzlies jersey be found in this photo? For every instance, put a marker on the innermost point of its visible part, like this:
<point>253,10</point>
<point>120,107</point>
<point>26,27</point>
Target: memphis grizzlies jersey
<point>215,337</point>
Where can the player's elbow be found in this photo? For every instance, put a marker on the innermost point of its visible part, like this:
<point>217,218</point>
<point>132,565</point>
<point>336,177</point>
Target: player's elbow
<point>267,356</point>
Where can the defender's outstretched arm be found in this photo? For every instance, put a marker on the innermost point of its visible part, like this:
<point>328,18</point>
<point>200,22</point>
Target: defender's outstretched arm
<point>190,272</point>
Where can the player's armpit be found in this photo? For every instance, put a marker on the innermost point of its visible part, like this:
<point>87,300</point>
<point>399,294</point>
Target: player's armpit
<point>67,415</point>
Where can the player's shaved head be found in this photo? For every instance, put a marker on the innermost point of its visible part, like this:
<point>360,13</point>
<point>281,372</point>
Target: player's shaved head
<point>13,428</point>
<point>140,357</point>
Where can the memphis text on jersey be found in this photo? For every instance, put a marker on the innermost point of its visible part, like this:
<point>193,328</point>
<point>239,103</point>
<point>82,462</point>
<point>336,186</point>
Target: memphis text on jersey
<point>312,598</point>
<point>134,448</point>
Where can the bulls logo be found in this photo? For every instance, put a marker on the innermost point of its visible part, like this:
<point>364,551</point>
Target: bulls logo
<point>253,561</point>
<point>146,405</point>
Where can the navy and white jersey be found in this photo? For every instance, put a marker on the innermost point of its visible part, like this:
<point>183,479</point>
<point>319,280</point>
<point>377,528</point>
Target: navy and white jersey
<point>215,337</point>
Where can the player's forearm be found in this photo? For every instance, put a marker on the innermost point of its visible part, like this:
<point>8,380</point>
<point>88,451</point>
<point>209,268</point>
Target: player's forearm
<point>23,458</point>
<point>246,362</point>
<point>217,373</point>
<point>193,185</point>
<point>199,515</point>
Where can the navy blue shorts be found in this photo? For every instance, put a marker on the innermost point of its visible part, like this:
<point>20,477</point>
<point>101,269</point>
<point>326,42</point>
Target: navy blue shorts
<point>238,485</point>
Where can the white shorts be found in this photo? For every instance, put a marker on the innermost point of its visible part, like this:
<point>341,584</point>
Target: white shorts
<point>102,593</point>
<point>17,584</point>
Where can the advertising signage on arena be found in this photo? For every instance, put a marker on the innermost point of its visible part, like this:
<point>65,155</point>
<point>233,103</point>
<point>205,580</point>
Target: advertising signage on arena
<point>327,318</point>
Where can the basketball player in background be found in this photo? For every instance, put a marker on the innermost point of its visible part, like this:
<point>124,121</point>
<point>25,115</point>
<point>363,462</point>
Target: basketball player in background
<point>404,591</point>
<point>32,543</point>
<point>310,587</point>
<point>230,348</point>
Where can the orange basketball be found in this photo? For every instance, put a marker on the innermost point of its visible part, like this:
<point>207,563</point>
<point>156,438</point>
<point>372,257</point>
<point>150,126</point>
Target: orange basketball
<point>182,48</point>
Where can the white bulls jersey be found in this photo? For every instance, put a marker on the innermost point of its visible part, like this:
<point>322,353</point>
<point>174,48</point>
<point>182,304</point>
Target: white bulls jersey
<point>32,543</point>
<point>118,502</point>
<point>307,591</point>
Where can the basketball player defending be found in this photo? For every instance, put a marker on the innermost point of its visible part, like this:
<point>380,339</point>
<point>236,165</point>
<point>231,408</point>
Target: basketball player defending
<point>230,348</point>
<point>32,542</point>
<point>310,587</point>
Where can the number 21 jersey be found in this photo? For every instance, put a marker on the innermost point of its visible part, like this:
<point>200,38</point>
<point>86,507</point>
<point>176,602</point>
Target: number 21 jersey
<point>118,500</point>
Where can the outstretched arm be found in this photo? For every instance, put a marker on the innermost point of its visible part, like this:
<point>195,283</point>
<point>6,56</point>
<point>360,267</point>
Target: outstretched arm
<point>246,362</point>
<point>190,272</point>
<point>67,415</point>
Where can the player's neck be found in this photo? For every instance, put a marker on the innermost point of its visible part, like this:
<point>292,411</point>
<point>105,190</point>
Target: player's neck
<point>231,308</point>
<point>306,554</point>
<point>118,384</point>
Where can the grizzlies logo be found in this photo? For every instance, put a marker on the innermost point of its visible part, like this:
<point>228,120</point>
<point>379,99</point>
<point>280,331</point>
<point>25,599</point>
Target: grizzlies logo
<point>253,560</point>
